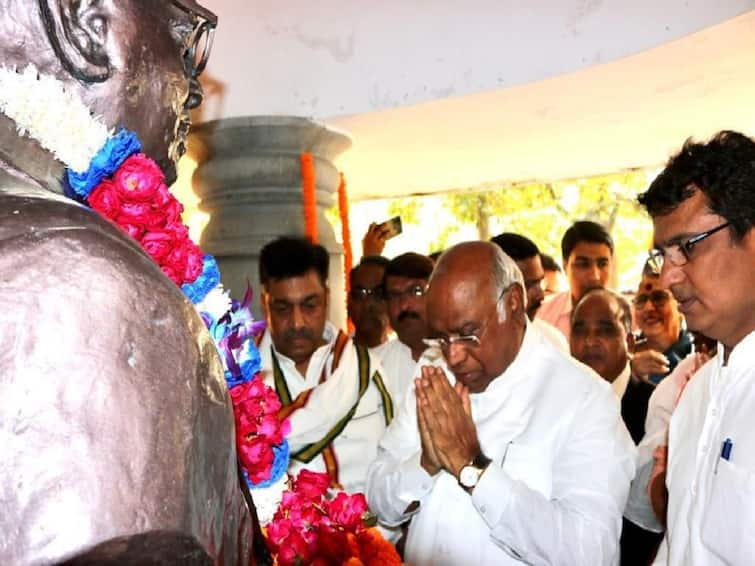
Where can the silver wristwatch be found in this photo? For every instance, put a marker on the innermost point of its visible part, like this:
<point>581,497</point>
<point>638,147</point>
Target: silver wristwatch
<point>470,474</point>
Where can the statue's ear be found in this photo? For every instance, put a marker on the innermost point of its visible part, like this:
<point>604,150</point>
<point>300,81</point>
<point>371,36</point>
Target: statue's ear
<point>77,30</point>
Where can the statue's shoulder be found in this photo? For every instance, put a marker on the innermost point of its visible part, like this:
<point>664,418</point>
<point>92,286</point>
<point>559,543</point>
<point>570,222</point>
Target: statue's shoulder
<point>40,230</point>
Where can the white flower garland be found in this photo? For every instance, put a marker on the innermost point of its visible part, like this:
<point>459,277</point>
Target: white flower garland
<point>44,110</point>
<point>267,500</point>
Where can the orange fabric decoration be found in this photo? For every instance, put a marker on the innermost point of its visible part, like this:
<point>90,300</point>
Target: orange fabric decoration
<point>309,196</point>
<point>348,256</point>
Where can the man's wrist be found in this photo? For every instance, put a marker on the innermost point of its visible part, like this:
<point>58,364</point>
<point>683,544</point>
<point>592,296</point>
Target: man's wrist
<point>470,474</point>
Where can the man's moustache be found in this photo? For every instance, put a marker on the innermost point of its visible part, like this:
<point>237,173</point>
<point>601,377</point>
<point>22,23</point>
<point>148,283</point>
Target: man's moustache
<point>300,333</point>
<point>408,314</point>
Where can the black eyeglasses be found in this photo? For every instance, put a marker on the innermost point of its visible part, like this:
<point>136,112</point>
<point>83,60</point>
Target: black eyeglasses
<point>659,297</point>
<point>467,341</point>
<point>680,253</point>
<point>200,41</point>
<point>362,294</point>
<point>413,291</point>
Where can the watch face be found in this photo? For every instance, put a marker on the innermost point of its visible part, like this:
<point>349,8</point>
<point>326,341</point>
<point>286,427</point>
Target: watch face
<point>468,476</point>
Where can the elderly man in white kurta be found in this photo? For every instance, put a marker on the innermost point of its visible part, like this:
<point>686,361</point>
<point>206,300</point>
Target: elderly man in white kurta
<point>333,391</point>
<point>509,452</point>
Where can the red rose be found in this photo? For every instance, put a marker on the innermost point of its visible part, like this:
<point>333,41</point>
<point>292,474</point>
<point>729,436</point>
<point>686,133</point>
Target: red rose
<point>312,485</point>
<point>104,199</point>
<point>138,178</point>
<point>158,243</point>
<point>132,228</point>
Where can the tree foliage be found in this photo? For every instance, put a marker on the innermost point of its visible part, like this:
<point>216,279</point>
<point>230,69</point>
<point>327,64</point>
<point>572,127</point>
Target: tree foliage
<point>543,212</point>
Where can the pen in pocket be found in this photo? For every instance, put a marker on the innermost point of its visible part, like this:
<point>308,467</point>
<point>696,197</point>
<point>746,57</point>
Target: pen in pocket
<point>726,447</point>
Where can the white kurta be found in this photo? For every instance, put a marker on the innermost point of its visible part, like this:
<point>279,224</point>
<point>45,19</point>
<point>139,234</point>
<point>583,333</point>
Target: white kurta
<point>356,446</point>
<point>555,491</point>
<point>398,364</point>
<point>711,511</point>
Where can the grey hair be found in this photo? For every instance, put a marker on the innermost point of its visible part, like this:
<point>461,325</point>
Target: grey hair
<point>505,273</point>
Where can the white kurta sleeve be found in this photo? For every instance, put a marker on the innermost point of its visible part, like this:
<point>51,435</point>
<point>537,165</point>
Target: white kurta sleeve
<point>396,480</point>
<point>581,522</point>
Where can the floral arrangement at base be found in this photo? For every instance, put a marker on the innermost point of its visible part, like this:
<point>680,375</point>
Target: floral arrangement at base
<point>107,172</point>
<point>310,528</point>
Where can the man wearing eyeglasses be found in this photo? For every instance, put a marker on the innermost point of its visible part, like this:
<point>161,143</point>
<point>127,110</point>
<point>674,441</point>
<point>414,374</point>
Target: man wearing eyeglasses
<point>366,303</point>
<point>116,430</point>
<point>507,451</point>
<point>334,391</point>
<point>404,286</point>
<point>703,209</point>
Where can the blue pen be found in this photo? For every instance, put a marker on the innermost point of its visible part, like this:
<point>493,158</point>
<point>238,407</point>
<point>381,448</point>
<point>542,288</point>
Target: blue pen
<point>726,449</point>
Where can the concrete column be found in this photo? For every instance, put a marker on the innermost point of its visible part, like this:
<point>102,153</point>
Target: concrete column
<point>249,181</point>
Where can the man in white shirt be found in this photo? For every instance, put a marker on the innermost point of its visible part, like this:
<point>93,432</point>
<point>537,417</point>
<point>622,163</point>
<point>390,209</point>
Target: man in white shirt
<point>332,390</point>
<point>506,451</point>
<point>703,208</point>
<point>527,257</point>
<point>601,336</point>
<point>404,286</point>
<point>587,250</point>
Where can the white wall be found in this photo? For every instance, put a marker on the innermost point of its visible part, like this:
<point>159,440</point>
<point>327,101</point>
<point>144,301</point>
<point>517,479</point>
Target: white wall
<point>331,58</point>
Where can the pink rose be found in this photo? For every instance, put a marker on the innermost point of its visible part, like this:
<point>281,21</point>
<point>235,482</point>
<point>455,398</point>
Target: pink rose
<point>311,485</point>
<point>138,178</point>
<point>347,510</point>
<point>158,244</point>
<point>104,199</point>
<point>132,228</point>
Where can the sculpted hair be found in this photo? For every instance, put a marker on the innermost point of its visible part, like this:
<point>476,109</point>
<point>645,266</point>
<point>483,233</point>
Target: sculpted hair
<point>517,247</point>
<point>723,169</point>
<point>410,265</point>
<point>289,257</point>
<point>626,309</point>
<point>505,274</point>
<point>584,231</point>
<point>376,260</point>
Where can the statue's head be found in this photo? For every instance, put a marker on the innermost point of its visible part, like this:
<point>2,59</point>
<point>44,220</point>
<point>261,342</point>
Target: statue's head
<point>135,63</point>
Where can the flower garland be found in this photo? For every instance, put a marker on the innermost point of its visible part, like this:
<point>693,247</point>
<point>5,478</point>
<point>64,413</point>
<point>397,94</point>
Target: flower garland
<point>309,197</point>
<point>309,528</point>
<point>109,174</point>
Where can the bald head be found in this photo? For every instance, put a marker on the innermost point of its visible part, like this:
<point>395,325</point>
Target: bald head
<point>476,299</point>
<point>480,262</point>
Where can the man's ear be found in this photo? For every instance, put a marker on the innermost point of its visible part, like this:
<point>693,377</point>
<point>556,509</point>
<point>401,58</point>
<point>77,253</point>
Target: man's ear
<point>78,31</point>
<point>630,342</point>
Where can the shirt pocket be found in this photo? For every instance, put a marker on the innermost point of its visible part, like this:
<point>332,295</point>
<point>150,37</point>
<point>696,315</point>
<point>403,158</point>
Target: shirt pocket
<point>530,465</point>
<point>728,526</point>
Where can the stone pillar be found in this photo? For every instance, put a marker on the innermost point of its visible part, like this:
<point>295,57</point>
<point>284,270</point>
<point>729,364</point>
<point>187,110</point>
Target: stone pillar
<point>249,181</point>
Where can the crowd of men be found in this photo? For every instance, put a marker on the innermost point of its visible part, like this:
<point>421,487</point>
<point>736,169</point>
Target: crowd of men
<point>490,422</point>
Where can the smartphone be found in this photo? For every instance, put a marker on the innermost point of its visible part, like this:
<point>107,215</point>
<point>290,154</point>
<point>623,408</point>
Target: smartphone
<point>393,226</point>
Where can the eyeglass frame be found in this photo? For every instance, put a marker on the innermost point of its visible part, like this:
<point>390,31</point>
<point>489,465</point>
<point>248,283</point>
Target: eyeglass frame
<point>412,291</point>
<point>640,304</point>
<point>364,293</point>
<point>205,20</point>
<point>657,256</point>
<point>466,340</point>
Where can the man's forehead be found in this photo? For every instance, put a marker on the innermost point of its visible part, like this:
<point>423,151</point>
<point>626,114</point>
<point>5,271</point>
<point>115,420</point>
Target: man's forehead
<point>401,282</point>
<point>295,288</point>
<point>598,307</point>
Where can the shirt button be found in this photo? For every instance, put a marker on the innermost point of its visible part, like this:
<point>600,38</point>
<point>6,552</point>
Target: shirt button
<point>483,509</point>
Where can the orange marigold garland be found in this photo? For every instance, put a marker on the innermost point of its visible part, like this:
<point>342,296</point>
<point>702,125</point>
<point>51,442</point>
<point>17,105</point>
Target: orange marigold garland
<point>348,256</point>
<point>309,196</point>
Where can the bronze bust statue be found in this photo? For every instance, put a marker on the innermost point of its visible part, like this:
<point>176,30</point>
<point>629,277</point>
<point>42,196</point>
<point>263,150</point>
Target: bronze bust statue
<point>116,430</point>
